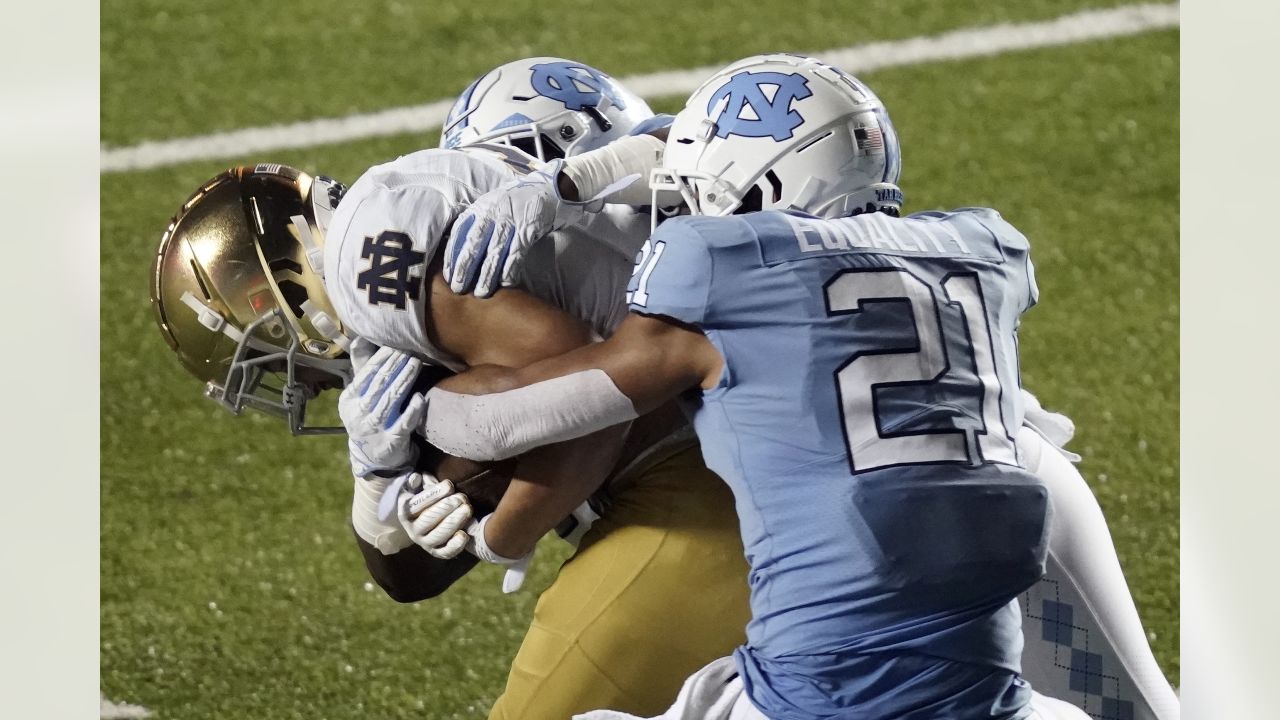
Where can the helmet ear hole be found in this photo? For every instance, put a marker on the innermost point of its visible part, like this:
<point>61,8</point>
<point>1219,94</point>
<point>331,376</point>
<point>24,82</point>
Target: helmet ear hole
<point>551,149</point>
<point>526,145</point>
<point>294,294</point>
<point>776,184</point>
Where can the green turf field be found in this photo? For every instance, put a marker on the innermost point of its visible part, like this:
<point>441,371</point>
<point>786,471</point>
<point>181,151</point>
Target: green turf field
<point>230,585</point>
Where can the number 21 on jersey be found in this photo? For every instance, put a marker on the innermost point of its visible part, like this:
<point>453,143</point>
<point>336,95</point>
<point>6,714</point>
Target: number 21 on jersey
<point>972,437</point>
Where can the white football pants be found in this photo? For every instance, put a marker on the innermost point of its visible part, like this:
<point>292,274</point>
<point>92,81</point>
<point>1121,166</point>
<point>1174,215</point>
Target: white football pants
<point>1084,642</point>
<point>715,693</point>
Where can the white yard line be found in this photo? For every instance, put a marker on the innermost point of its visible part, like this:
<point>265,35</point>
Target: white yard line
<point>122,711</point>
<point>955,45</point>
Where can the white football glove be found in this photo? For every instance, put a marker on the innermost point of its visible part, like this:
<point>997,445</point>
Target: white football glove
<point>379,433</point>
<point>440,521</point>
<point>434,516</point>
<point>489,240</point>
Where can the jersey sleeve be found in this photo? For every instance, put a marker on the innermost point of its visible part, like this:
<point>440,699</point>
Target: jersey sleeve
<point>673,274</point>
<point>1014,246</point>
<point>377,265</point>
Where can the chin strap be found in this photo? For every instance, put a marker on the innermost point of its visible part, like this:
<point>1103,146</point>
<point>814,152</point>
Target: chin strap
<point>325,325</point>
<point>211,318</point>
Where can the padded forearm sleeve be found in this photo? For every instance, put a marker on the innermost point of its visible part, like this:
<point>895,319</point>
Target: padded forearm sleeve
<point>593,171</point>
<point>505,424</point>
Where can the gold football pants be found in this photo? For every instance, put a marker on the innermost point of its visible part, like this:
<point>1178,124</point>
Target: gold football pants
<point>657,589</point>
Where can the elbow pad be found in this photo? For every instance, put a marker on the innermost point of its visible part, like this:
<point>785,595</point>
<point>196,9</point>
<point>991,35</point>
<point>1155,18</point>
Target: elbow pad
<point>505,424</point>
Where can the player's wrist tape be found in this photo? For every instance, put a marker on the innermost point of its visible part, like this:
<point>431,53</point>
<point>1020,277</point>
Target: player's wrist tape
<point>517,568</point>
<point>593,172</point>
<point>368,521</point>
<point>505,424</point>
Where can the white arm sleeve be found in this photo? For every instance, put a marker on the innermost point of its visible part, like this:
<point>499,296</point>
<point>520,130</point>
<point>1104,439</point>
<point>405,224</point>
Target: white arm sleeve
<point>502,425</point>
<point>593,171</point>
<point>387,536</point>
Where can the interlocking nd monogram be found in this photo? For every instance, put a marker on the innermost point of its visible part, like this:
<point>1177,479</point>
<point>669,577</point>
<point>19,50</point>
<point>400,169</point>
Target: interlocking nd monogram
<point>752,112</point>
<point>577,86</point>
<point>391,258</point>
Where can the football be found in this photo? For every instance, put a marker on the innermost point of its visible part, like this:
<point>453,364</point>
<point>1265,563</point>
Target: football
<point>482,482</point>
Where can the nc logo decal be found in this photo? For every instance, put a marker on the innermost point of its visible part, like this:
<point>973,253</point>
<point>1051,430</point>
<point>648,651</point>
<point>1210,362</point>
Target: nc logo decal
<point>577,86</point>
<point>752,112</point>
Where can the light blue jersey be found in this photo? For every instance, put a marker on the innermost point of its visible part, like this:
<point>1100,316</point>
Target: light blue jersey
<point>865,420</point>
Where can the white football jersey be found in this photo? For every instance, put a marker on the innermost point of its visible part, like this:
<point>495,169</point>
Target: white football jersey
<point>385,234</point>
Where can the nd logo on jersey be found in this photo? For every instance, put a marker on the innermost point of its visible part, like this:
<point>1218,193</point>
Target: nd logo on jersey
<point>391,258</point>
<point>577,86</point>
<point>759,105</point>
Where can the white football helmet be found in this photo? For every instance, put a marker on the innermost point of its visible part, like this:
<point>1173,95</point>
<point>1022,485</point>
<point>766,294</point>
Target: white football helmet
<point>548,107</point>
<point>775,132</point>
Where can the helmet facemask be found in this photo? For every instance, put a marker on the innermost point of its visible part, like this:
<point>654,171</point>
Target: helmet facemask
<point>254,362</point>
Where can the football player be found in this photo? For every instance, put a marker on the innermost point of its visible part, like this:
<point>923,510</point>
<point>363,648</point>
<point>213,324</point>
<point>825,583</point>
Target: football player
<point>237,293</point>
<point>887,587</point>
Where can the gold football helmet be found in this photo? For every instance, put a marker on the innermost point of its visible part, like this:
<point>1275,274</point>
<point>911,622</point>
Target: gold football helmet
<point>238,291</point>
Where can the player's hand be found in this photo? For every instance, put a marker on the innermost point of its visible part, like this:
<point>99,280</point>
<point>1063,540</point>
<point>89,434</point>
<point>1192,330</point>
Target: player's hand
<point>489,239</point>
<point>379,414</point>
<point>487,246</point>
<point>435,516</point>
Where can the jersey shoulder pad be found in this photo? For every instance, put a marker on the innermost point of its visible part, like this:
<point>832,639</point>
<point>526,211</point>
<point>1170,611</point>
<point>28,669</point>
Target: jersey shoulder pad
<point>710,232</point>
<point>1002,229</point>
<point>1012,245</point>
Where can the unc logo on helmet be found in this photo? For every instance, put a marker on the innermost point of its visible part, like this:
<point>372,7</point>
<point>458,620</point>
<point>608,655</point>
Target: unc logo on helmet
<point>577,86</point>
<point>750,112</point>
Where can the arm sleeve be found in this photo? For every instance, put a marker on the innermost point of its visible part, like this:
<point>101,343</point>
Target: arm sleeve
<point>593,171</point>
<point>505,424</point>
<point>673,274</point>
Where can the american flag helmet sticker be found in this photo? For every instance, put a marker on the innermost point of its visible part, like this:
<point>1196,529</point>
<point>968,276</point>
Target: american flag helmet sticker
<point>868,139</point>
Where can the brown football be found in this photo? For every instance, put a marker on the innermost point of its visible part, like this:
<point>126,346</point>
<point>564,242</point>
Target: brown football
<point>482,483</point>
